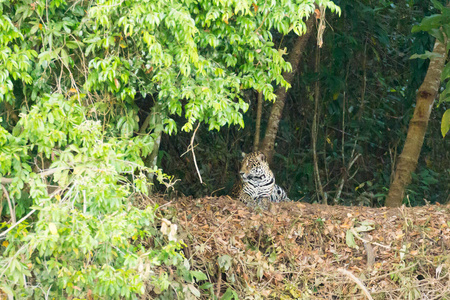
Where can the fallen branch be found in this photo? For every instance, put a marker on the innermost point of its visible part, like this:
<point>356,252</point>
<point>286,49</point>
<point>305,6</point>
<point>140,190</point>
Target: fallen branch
<point>357,281</point>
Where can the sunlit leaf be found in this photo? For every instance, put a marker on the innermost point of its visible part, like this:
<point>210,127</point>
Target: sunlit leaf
<point>445,122</point>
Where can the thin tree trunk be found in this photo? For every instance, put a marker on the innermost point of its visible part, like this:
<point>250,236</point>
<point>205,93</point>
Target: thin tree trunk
<point>314,133</point>
<point>363,93</point>
<point>10,113</point>
<point>268,143</point>
<point>258,122</point>
<point>407,161</point>
<point>353,157</point>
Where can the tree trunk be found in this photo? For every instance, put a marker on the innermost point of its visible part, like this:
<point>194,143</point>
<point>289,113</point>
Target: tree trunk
<point>314,134</point>
<point>268,144</point>
<point>258,122</point>
<point>407,160</point>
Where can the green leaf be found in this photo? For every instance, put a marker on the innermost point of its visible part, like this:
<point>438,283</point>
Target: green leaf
<point>445,72</point>
<point>350,239</point>
<point>428,23</point>
<point>426,55</point>
<point>65,57</point>
<point>74,45</point>
<point>445,123</point>
<point>445,95</point>
<point>364,228</point>
<point>199,275</point>
<point>446,30</point>
<point>437,33</point>
<point>437,4</point>
<point>259,272</point>
<point>52,228</point>
<point>206,286</point>
<point>225,262</point>
<point>230,294</point>
<point>194,290</point>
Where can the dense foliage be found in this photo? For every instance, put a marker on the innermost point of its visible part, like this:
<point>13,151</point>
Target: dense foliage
<point>86,89</point>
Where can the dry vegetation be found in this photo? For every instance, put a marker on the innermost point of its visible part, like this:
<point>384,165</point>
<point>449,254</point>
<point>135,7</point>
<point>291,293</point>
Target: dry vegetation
<point>303,251</point>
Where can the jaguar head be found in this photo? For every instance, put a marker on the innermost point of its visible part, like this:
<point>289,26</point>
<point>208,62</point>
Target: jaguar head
<point>253,166</point>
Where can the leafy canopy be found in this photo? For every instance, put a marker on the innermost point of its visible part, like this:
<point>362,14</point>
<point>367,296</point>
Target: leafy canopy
<point>72,160</point>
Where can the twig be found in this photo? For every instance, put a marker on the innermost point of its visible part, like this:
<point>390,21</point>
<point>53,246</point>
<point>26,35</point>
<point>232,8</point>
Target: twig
<point>391,273</point>
<point>4,180</point>
<point>191,147</point>
<point>220,227</point>
<point>12,210</point>
<point>217,190</point>
<point>28,214</point>
<point>357,281</point>
<point>262,23</point>
<point>219,283</point>
<point>355,233</point>
<point>166,204</point>
<point>84,201</point>
<point>187,151</point>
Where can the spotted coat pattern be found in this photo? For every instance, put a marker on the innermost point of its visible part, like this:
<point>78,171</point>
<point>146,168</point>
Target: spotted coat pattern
<point>259,188</point>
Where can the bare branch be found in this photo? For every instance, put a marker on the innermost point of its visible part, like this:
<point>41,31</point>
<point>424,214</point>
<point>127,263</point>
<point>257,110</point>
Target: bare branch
<point>4,180</point>
<point>12,210</point>
<point>191,148</point>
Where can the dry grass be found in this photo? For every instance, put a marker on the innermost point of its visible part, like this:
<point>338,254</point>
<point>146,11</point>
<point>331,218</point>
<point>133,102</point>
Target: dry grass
<point>301,251</point>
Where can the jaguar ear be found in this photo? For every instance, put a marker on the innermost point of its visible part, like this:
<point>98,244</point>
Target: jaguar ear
<point>261,156</point>
<point>243,154</point>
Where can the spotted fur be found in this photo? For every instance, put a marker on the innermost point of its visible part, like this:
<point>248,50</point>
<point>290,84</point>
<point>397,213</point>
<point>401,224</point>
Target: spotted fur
<point>259,188</point>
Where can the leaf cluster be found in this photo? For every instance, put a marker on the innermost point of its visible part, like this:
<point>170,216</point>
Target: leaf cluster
<point>73,159</point>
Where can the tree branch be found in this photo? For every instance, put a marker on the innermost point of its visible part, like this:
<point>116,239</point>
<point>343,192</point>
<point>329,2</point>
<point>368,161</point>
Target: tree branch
<point>357,281</point>
<point>4,180</point>
<point>12,210</point>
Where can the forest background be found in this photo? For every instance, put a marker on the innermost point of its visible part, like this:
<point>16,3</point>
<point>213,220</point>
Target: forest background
<point>368,86</point>
<point>101,100</point>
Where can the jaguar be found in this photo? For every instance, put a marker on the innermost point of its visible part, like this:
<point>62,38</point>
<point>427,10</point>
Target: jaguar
<point>259,187</point>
